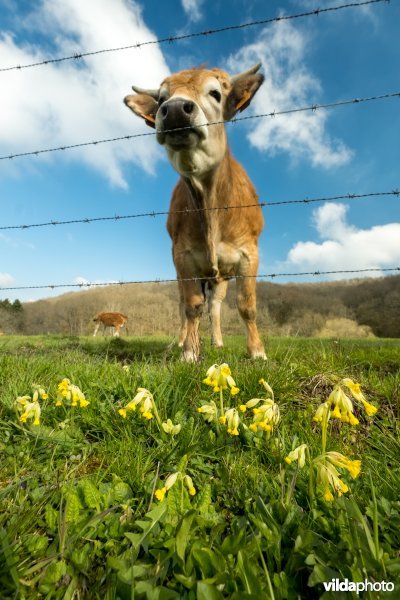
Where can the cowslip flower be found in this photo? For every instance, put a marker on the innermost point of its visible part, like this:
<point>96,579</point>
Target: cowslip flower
<point>219,377</point>
<point>232,421</point>
<point>28,409</point>
<point>170,428</point>
<point>298,454</point>
<point>39,392</point>
<point>169,482</point>
<point>339,460</point>
<point>328,475</point>
<point>71,393</point>
<point>209,411</point>
<point>144,400</point>
<point>328,478</point>
<point>323,412</point>
<point>343,406</point>
<point>266,416</point>
<point>355,389</point>
<point>189,484</point>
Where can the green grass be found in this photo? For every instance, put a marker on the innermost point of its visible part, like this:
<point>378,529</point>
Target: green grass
<point>78,518</point>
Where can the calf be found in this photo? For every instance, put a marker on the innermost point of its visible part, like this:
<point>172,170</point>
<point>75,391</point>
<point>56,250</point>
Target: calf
<point>211,242</point>
<point>110,319</point>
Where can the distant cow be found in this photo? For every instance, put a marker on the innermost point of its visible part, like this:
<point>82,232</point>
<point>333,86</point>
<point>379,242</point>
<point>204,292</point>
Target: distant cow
<point>110,319</point>
<point>210,242</point>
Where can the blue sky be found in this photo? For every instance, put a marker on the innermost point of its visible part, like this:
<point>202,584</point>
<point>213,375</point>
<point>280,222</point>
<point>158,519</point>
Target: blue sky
<point>355,149</point>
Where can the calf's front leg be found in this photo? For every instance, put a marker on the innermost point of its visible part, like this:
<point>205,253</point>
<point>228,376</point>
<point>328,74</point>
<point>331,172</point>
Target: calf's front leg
<point>246,303</point>
<point>193,299</point>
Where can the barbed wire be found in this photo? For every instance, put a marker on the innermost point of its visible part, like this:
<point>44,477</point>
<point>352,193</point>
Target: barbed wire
<point>316,273</point>
<point>312,108</point>
<point>153,214</point>
<point>171,39</point>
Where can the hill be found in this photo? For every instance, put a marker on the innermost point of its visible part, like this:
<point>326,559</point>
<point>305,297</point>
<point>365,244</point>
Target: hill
<point>350,308</point>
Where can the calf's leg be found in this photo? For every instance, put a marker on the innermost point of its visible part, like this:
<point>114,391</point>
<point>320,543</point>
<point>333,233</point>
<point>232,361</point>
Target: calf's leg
<point>215,298</point>
<point>194,302</point>
<point>246,302</point>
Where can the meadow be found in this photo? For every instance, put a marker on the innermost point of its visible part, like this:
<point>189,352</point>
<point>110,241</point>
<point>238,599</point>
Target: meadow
<point>101,497</point>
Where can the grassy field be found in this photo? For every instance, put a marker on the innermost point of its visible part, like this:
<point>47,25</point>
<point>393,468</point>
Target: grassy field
<point>84,509</point>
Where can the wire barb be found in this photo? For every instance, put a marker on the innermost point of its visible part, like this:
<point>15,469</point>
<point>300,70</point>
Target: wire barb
<point>260,276</point>
<point>312,108</point>
<point>187,210</point>
<point>170,39</point>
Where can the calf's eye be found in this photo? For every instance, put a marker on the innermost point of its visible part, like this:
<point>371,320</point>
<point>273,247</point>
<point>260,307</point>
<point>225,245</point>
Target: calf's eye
<point>216,94</point>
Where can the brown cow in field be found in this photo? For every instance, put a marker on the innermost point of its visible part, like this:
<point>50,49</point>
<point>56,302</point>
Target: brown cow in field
<point>211,243</point>
<point>110,319</point>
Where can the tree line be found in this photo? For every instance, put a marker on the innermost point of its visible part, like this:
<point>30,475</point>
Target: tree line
<point>352,308</point>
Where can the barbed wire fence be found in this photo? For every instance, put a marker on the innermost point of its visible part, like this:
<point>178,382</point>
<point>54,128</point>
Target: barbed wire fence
<point>170,39</point>
<point>187,211</point>
<point>312,108</point>
<point>88,284</point>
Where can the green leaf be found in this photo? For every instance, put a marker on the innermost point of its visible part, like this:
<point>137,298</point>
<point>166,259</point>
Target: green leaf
<point>183,534</point>
<point>51,518</point>
<point>73,508</point>
<point>320,574</point>
<point>203,500</point>
<point>233,543</point>
<point>91,494</point>
<point>206,591</point>
<point>207,561</point>
<point>178,499</point>
<point>121,491</point>
<point>247,574</point>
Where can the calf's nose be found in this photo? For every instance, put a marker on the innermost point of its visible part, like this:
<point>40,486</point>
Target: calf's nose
<point>176,112</point>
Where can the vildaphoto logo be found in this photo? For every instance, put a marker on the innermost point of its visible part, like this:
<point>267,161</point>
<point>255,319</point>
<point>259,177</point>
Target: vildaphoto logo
<point>336,585</point>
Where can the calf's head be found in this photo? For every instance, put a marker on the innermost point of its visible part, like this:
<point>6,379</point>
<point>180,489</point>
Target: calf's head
<point>185,104</point>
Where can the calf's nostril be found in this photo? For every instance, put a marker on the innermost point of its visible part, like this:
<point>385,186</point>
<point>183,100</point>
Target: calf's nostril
<point>164,110</point>
<point>188,107</point>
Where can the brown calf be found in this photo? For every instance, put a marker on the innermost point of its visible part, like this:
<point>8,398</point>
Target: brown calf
<point>110,319</point>
<point>212,243</point>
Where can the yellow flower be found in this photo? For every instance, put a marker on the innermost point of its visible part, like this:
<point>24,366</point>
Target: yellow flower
<point>243,407</point>
<point>189,484</point>
<point>160,493</point>
<point>209,411</point>
<point>146,414</point>
<point>267,415</point>
<point>370,409</point>
<point>298,454</point>
<point>321,412</point>
<point>328,496</point>
<point>170,428</point>
<point>267,387</point>
<point>342,406</point>
<point>39,392</point>
<point>328,476</point>
<point>232,419</point>
<point>31,411</point>
<point>122,412</point>
<point>219,377</point>
<point>253,427</point>
<point>222,419</point>
<point>22,401</point>
<point>144,400</point>
<point>339,460</point>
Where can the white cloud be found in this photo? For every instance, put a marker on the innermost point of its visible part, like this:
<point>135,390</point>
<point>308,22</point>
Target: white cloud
<point>288,84</point>
<point>6,280</point>
<point>344,246</point>
<point>78,101</point>
<point>192,9</point>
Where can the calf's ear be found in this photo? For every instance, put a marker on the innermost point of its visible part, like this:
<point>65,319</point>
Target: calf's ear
<point>241,94</point>
<point>144,106</point>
